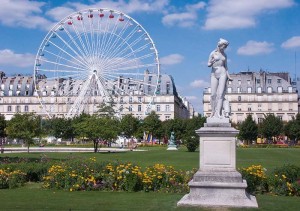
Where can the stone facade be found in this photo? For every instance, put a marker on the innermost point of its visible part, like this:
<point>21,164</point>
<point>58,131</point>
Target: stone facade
<point>258,93</point>
<point>18,94</point>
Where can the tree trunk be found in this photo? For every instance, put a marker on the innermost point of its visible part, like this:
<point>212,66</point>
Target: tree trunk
<point>27,147</point>
<point>95,146</point>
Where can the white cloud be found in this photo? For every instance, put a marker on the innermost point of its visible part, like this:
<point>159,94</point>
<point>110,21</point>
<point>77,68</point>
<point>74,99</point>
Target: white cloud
<point>199,84</point>
<point>23,13</point>
<point>10,58</point>
<point>230,14</point>
<point>253,48</point>
<point>132,6</point>
<point>171,59</point>
<point>293,42</point>
<point>184,19</point>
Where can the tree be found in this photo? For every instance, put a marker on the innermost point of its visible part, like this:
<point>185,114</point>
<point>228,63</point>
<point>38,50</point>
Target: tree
<point>248,130</point>
<point>190,137</point>
<point>61,128</point>
<point>2,130</point>
<point>129,125</point>
<point>2,126</point>
<point>292,128</point>
<point>152,125</point>
<point>175,125</point>
<point>271,126</point>
<point>24,126</point>
<point>107,109</point>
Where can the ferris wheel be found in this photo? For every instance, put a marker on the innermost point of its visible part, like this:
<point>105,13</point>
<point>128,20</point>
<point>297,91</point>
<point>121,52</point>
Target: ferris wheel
<point>95,56</point>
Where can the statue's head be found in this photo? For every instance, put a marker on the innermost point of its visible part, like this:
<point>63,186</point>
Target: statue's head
<point>223,42</point>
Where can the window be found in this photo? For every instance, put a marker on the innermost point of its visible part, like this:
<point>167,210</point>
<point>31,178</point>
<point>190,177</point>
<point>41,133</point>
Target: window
<point>9,108</point>
<point>157,107</point>
<point>269,89</point>
<point>249,89</point>
<point>229,82</point>
<point>258,81</point>
<point>139,107</point>
<point>168,88</point>
<point>258,89</point>
<point>130,108</point>
<point>229,89</point>
<point>167,107</point>
<point>239,89</point>
<point>248,82</point>
<point>121,99</point>
<point>239,109</point>
<point>18,109</point>
<point>167,117</point>
<point>150,78</point>
<point>139,99</point>
<point>239,98</point>
<point>130,99</point>
<point>279,81</point>
<point>279,89</point>
<point>239,82</point>
<point>280,117</point>
<point>269,81</point>
<point>260,120</point>
<point>249,108</point>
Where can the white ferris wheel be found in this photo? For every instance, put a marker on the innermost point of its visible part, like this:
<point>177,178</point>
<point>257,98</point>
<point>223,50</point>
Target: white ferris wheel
<point>95,54</point>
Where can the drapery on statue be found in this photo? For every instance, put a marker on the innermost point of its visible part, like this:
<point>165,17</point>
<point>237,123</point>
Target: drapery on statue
<point>219,76</point>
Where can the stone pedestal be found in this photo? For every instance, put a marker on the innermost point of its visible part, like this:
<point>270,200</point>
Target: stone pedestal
<point>172,147</point>
<point>217,183</point>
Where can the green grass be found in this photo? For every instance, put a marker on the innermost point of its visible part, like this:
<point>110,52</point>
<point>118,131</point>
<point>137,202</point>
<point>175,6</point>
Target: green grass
<point>32,197</point>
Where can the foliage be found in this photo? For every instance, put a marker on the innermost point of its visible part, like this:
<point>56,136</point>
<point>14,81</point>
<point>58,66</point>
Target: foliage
<point>153,125</point>
<point>116,176</point>
<point>271,126</point>
<point>248,130</point>
<point>11,179</point>
<point>24,126</point>
<point>61,128</point>
<point>129,125</point>
<point>284,181</point>
<point>2,126</point>
<point>192,143</point>
<point>256,179</point>
<point>174,125</point>
<point>292,128</point>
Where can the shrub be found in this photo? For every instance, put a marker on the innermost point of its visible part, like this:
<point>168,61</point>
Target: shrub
<point>256,179</point>
<point>286,181</point>
<point>11,179</point>
<point>192,143</point>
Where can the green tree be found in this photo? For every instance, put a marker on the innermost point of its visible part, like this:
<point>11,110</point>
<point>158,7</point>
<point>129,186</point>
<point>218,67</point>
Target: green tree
<point>292,128</point>
<point>152,125</point>
<point>2,126</point>
<point>24,126</point>
<point>61,128</point>
<point>129,125</point>
<point>176,125</point>
<point>271,126</point>
<point>248,130</point>
<point>107,109</point>
<point>191,139</point>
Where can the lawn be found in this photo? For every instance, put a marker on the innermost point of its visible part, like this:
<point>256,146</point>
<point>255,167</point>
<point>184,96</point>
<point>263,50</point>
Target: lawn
<point>32,197</point>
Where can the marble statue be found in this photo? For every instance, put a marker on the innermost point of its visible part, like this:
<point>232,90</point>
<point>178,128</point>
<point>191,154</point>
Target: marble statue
<point>219,76</point>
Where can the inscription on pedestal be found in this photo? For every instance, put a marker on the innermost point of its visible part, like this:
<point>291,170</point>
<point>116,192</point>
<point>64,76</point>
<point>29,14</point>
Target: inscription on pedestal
<point>217,152</point>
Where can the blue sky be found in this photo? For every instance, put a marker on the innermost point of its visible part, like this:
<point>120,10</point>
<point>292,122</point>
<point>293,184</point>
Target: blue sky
<point>263,34</point>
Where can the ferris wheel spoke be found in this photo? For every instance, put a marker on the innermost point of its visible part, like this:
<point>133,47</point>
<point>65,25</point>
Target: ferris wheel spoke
<point>62,58</point>
<point>86,39</point>
<point>63,65</point>
<point>83,52</point>
<point>62,50</point>
<point>104,38</point>
<point>80,40</point>
<point>117,51</point>
<point>121,61</point>
<point>133,67</point>
<point>114,48</point>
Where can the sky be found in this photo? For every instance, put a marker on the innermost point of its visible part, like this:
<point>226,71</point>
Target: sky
<point>263,34</point>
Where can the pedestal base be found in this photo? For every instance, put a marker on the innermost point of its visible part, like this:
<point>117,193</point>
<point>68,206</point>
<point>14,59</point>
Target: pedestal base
<point>172,147</point>
<point>218,189</point>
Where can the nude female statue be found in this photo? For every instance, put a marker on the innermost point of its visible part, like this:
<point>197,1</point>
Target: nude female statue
<point>219,76</point>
